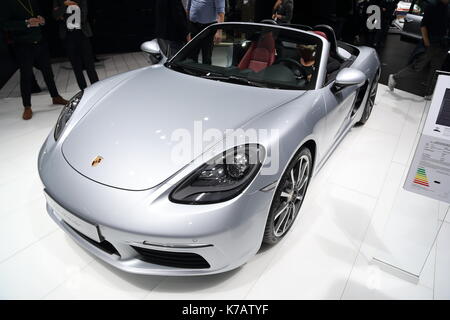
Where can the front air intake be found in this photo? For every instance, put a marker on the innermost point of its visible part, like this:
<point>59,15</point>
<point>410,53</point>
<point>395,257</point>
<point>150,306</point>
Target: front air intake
<point>185,260</point>
<point>104,245</point>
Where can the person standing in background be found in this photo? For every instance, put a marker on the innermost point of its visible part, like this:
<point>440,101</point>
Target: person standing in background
<point>434,28</point>
<point>387,16</point>
<point>324,12</point>
<point>376,37</point>
<point>248,10</point>
<point>283,10</point>
<point>76,40</point>
<point>344,12</point>
<point>22,21</point>
<point>203,13</point>
<point>171,24</point>
<point>12,65</point>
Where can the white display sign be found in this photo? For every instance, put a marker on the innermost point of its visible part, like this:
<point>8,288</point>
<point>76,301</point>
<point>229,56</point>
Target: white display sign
<point>429,173</point>
<point>409,236</point>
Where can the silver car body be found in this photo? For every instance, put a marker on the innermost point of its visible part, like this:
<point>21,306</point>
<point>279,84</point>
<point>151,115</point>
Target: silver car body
<point>126,120</point>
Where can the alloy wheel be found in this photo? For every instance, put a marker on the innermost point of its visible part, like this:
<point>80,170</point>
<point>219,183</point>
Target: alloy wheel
<point>371,101</point>
<point>291,197</point>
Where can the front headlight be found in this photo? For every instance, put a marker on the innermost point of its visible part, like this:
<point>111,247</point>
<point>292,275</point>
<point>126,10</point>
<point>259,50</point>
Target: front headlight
<point>222,178</point>
<point>66,113</point>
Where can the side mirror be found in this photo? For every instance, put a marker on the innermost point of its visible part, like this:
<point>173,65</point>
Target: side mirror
<point>349,77</point>
<point>151,47</point>
<point>154,51</point>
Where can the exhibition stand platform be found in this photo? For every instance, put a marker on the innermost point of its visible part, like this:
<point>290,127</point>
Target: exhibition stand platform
<point>328,254</point>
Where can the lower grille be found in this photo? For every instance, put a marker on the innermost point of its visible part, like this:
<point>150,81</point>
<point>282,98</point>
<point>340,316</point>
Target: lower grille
<point>104,245</point>
<point>185,260</point>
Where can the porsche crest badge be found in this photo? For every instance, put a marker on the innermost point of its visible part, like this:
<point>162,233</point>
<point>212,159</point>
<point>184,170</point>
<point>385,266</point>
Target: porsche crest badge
<point>97,161</point>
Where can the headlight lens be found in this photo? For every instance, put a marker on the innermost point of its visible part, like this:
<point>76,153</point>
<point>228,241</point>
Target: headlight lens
<point>222,178</point>
<point>66,113</point>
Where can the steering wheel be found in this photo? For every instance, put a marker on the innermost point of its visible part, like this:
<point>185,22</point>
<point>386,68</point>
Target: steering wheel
<point>297,69</point>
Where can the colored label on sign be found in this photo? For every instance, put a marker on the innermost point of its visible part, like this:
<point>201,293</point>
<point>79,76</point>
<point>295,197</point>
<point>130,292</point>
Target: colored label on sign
<point>421,178</point>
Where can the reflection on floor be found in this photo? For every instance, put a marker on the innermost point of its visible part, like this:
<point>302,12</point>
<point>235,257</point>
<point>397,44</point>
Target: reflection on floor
<point>325,256</point>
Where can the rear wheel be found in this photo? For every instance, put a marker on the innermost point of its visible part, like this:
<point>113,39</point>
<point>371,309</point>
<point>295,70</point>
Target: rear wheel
<point>370,102</point>
<point>288,197</point>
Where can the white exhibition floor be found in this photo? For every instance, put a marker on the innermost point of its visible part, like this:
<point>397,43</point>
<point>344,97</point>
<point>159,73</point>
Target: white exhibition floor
<point>327,254</point>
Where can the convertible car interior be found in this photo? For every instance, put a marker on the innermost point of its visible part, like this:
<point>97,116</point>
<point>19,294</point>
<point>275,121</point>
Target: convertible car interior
<point>265,56</point>
<point>260,55</point>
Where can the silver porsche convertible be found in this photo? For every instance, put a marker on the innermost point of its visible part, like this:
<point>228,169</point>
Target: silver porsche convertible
<point>140,169</point>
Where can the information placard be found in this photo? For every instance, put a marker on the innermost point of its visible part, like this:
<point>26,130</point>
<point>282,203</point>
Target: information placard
<point>429,173</point>
<point>409,235</point>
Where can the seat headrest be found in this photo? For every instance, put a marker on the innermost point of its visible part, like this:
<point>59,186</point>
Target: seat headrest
<point>297,26</point>
<point>266,41</point>
<point>322,34</point>
<point>269,21</point>
<point>330,36</point>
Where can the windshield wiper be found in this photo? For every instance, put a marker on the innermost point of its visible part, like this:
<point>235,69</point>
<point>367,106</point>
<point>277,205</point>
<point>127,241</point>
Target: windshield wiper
<point>233,79</point>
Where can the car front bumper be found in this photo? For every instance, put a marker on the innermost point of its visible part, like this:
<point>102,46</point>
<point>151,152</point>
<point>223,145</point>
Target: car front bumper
<point>124,250</point>
<point>131,223</point>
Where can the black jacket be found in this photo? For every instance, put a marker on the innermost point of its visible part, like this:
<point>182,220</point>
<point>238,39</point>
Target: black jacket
<point>286,10</point>
<point>436,20</point>
<point>171,21</point>
<point>59,12</point>
<point>12,20</point>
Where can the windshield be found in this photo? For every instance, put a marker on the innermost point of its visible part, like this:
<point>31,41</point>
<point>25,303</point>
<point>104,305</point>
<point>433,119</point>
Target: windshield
<point>254,55</point>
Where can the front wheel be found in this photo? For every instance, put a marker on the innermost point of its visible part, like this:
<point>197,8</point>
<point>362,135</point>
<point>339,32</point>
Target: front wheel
<point>288,197</point>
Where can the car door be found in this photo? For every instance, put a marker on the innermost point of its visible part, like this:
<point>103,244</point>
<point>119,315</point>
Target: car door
<point>340,107</point>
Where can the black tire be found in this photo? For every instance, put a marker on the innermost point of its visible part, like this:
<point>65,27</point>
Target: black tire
<point>370,102</point>
<point>293,201</point>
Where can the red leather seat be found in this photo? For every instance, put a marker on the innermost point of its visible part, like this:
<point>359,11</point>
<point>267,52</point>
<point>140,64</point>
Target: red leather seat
<point>322,34</point>
<point>260,55</point>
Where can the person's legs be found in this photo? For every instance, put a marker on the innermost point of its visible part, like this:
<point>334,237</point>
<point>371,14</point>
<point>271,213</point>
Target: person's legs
<point>42,62</point>
<point>175,46</point>
<point>73,43</point>
<point>207,50</point>
<point>195,30</point>
<point>208,46</point>
<point>419,64</point>
<point>88,58</point>
<point>381,34</point>
<point>34,85</point>
<point>437,57</point>
<point>25,57</point>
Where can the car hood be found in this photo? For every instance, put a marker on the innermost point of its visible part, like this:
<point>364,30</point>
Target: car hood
<point>135,128</point>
